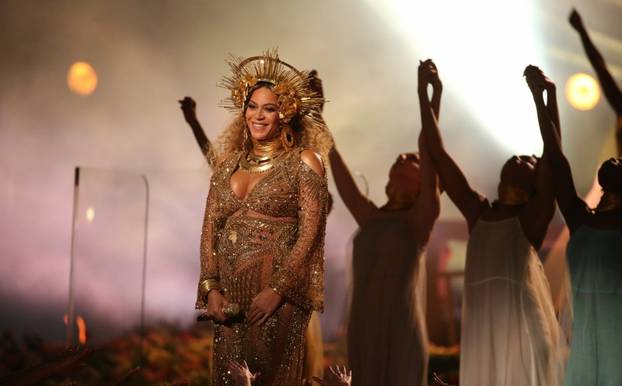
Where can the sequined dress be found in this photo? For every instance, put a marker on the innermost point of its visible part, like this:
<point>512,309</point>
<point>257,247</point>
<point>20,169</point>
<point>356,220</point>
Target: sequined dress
<point>272,238</point>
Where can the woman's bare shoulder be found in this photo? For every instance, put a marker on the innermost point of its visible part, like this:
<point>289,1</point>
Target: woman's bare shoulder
<point>313,160</point>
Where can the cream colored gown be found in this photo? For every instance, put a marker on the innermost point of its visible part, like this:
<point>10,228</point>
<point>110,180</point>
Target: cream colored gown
<point>510,334</point>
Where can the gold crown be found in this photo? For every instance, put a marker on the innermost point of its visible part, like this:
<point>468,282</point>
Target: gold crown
<point>295,97</point>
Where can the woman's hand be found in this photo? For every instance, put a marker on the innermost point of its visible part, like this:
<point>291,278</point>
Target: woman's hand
<point>263,306</point>
<point>428,74</point>
<point>535,79</point>
<point>548,85</point>
<point>434,79</point>
<point>188,106</point>
<point>215,303</point>
<point>241,374</point>
<point>538,82</point>
<point>575,20</point>
<point>341,376</point>
<point>423,78</point>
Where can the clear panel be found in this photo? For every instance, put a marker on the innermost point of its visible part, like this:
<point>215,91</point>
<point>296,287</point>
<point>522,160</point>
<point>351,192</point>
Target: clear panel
<point>108,252</point>
<point>177,206</point>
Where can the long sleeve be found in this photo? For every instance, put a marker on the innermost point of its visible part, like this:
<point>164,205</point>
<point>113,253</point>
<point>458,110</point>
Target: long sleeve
<point>300,278</point>
<point>209,261</point>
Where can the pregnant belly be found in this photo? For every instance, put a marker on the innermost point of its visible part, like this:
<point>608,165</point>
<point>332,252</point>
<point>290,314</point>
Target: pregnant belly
<point>247,250</point>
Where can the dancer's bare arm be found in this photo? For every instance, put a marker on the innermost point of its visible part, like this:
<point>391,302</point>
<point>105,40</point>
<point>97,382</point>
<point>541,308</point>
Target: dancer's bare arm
<point>468,201</point>
<point>188,107</point>
<point>608,84</point>
<point>357,203</point>
<point>571,205</point>
<point>540,209</point>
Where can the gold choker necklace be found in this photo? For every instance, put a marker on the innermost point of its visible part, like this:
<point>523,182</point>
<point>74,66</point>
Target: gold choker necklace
<point>510,195</point>
<point>263,156</point>
<point>609,202</point>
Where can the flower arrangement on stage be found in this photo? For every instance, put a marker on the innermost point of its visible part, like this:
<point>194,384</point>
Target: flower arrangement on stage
<point>170,356</point>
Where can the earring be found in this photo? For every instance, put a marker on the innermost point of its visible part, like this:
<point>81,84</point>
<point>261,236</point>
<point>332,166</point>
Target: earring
<point>287,137</point>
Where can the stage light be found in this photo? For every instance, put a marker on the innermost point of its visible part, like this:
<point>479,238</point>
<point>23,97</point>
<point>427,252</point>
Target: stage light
<point>81,323</point>
<point>582,91</point>
<point>481,48</point>
<point>82,78</point>
<point>90,214</point>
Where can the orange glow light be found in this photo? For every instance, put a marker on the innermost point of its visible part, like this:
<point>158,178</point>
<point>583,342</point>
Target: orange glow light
<point>81,323</point>
<point>582,91</point>
<point>82,78</point>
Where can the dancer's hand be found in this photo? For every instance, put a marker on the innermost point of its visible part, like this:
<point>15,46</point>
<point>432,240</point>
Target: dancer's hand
<point>434,79</point>
<point>188,106</point>
<point>549,86</point>
<point>575,20</point>
<point>263,306</point>
<point>423,77</point>
<point>428,74</point>
<point>241,374</point>
<point>341,377</point>
<point>537,81</point>
<point>215,303</point>
<point>342,374</point>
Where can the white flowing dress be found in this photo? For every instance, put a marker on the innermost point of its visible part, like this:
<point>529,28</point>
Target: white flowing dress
<point>510,335</point>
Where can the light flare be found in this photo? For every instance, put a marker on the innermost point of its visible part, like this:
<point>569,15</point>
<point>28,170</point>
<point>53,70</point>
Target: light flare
<point>582,91</point>
<point>481,48</point>
<point>82,78</point>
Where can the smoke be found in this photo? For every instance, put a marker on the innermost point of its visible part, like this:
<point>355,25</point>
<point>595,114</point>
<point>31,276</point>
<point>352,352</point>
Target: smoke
<point>147,55</point>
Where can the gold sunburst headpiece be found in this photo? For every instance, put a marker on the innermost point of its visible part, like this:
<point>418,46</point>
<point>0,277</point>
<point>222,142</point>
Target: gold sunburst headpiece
<point>295,98</point>
<point>299,103</point>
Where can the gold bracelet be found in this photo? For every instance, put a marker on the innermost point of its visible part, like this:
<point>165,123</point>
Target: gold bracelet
<point>207,285</point>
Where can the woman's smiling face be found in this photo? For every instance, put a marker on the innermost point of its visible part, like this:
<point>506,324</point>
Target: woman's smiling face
<point>262,114</point>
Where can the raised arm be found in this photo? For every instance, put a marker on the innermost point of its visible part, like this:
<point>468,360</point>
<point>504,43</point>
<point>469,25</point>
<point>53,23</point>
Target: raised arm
<point>468,201</point>
<point>541,207</point>
<point>188,106</point>
<point>570,204</point>
<point>437,91</point>
<point>608,84</point>
<point>359,206</point>
<point>551,105</point>
<point>427,207</point>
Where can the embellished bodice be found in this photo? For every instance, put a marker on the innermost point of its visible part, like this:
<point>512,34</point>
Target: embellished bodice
<point>273,237</point>
<point>273,195</point>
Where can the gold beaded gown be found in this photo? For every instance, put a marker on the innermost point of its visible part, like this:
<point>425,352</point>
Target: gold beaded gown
<point>274,237</point>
